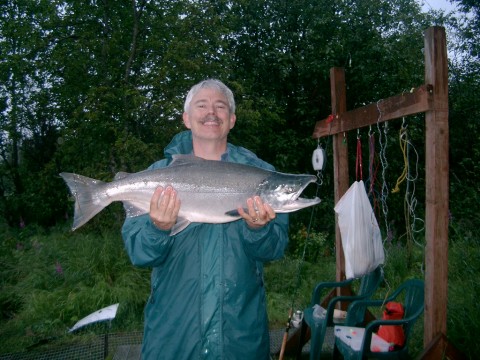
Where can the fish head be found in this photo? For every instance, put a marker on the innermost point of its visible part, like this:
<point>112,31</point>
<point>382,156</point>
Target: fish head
<point>282,191</point>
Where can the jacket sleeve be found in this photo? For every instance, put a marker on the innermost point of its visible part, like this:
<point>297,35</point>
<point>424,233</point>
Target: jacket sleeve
<point>146,245</point>
<point>269,242</point>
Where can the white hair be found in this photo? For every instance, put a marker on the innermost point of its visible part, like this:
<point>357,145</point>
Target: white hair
<point>211,84</point>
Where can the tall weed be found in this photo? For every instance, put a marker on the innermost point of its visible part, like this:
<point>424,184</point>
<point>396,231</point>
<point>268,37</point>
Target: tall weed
<point>463,317</point>
<point>53,280</point>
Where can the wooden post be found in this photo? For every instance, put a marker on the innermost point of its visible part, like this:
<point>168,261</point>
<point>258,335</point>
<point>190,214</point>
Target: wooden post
<point>340,158</point>
<point>431,98</point>
<point>437,185</point>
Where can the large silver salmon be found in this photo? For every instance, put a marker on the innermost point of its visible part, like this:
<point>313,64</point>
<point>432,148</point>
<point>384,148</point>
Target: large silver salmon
<point>209,191</point>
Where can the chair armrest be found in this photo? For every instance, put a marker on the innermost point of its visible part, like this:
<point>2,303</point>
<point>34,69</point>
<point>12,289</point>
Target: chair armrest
<point>350,299</point>
<point>374,326</point>
<point>317,291</point>
<point>357,309</point>
<point>346,298</point>
<point>368,303</point>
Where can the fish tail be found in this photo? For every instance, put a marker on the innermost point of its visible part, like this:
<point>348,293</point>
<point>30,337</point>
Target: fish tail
<point>89,201</point>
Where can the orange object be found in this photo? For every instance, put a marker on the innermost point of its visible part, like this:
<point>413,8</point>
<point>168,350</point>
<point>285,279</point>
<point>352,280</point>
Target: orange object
<point>392,333</point>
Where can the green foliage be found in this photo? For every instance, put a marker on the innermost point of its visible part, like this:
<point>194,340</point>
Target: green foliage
<point>289,282</point>
<point>464,269</point>
<point>308,245</point>
<point>52,280</point>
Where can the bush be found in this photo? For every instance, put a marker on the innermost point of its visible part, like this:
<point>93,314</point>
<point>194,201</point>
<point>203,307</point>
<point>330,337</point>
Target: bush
<point>53,280</point>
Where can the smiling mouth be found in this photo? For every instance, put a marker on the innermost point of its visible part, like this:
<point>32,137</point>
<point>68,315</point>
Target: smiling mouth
<point>211,121</point>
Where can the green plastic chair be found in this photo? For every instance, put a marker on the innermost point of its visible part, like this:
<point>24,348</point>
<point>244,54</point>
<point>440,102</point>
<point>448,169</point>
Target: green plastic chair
<point>318,326</point>
<point>411,294</point>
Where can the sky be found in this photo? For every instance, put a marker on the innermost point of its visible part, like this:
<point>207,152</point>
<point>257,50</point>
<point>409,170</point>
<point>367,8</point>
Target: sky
<point>437,5</point>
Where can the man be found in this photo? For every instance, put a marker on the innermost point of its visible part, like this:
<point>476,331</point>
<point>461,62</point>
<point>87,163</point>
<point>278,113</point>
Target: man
<point>207,297</point>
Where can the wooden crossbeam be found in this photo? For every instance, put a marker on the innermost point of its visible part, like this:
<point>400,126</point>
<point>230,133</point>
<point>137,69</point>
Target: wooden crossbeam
<point>418,100</point>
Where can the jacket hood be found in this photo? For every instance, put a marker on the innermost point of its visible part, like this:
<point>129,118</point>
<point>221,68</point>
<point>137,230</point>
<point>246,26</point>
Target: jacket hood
<point>180,144</point>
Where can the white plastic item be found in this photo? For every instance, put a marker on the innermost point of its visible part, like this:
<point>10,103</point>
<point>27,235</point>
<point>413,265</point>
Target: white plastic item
<point>319,313</point>
<point>106,314</point>
<point>361,237</point>
<point>353,337</point>
<point>318,159</point>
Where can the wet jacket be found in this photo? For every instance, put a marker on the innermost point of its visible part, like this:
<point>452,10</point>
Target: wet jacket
<point>207,296</point>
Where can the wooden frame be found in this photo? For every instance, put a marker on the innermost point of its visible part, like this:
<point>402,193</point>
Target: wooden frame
<point>432,99</point>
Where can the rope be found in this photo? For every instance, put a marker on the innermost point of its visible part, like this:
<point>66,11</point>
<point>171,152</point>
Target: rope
<point>358,162</point>
<point>372,172</point>
<point>403,141</point>
<point>384,162</point>
<point>410,200</point>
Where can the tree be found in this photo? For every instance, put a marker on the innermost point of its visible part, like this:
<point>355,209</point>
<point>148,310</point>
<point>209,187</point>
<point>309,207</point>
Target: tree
<point>28,113</point>
<point>97,87</point>
<point>464,111</point>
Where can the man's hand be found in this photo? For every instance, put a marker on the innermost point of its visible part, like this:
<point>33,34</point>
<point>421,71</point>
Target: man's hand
<point>164,207</point>
<point>259,213</point>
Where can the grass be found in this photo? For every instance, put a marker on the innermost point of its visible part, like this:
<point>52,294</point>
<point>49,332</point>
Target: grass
<point>51,279</point>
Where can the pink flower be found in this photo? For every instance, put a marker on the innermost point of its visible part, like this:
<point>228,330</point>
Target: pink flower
<point>58,268</point>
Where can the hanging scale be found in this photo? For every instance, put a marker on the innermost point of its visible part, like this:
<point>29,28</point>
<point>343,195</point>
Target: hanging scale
<point>318,158</point>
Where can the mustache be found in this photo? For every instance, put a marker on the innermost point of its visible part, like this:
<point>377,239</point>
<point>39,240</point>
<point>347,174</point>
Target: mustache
<point>211,118</point>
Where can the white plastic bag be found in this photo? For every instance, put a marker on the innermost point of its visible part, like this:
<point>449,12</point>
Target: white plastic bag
<point>361,237</point>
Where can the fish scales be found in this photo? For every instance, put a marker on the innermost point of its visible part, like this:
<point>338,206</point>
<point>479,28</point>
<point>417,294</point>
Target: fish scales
<point>209,191</point>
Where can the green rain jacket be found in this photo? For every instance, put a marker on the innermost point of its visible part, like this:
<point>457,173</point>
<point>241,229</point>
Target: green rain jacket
<point>207,296</point>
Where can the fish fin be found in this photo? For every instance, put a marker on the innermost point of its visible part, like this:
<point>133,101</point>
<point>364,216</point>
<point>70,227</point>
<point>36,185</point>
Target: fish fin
<point>182,159</point>
<point>180,225</point>
<point>235,212</point>
<point>121,175</point>
<point>133,209</point>
<point>88,200</point>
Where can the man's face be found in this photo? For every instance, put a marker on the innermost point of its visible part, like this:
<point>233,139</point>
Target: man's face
<point>209,116</point>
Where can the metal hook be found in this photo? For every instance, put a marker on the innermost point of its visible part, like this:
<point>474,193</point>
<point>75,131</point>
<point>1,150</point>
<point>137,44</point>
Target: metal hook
<point>319,178</point>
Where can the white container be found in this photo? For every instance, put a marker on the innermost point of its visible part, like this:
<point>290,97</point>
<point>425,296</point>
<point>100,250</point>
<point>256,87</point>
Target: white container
<point>353,337</point>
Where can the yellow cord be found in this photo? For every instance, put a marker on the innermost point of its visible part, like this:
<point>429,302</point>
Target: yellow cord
<point>403,147</point>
